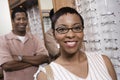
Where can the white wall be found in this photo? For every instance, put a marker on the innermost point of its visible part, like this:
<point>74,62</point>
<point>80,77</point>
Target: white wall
<point>46,4</point>
<point>5,21</point>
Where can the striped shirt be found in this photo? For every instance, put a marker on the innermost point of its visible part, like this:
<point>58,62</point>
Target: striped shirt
<point>96,66</point>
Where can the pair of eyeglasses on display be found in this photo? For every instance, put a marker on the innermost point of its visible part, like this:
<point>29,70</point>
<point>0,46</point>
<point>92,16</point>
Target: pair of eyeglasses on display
<point>89,10</point>
<point>109,31</point>
<point>88,2</point>
<point>94,41</point>
<point>95,49</point>
<point>62,29</point>
<point>108,23</point>
<point>111,48</point>
<point>108,14</point>
<point>91,25</point>
<point>111,40</point>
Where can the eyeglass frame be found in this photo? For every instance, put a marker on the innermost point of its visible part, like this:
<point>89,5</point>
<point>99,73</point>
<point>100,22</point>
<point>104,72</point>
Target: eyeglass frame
<point>67,29</point>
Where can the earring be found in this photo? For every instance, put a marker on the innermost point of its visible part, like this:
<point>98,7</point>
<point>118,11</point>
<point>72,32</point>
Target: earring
<point>58,46</point>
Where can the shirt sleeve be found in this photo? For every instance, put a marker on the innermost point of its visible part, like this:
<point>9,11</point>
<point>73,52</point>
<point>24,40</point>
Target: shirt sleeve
<point>51,44</point>
<point>40,69</point>
<point>41,49</point>
<point>5,55</point>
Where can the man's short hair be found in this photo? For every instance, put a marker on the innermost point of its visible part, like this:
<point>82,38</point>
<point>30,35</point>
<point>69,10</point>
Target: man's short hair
<point>18,9</point>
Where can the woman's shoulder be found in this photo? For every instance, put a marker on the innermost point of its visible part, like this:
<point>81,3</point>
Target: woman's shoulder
<point>40,69</point>
<point>97,56</point>
<point>93,54</point>
<point>43,70</point>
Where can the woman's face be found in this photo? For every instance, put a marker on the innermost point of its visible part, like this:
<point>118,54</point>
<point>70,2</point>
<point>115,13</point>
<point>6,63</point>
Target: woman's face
<point>70,41</point>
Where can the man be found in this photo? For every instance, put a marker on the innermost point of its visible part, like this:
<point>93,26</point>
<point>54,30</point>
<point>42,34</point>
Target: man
<point>50,42</point>
<point>20,51</point>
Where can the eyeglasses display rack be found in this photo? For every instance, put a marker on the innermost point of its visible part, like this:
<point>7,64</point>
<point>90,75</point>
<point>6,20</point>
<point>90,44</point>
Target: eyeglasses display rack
<point>102,20</point>
<point>35,21</point>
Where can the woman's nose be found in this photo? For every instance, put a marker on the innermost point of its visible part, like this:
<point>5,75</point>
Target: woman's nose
<point>70,34</point>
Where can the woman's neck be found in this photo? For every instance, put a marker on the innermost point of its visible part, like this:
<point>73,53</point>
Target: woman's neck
<point>78,57</point>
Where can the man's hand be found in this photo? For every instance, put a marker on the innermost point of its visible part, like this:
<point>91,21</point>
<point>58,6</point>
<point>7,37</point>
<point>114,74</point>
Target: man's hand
<point>17,58</point>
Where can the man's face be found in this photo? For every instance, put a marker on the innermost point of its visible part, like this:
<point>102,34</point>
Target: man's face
<point>20,22</point>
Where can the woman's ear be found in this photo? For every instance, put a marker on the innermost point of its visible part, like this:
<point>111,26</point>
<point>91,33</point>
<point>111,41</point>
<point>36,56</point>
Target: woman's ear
<point>56,40</point>
<point>58,45</point>
<point>54,35</point>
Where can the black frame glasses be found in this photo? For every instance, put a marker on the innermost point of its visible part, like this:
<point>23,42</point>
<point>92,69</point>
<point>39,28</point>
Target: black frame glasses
<point>63,29</point>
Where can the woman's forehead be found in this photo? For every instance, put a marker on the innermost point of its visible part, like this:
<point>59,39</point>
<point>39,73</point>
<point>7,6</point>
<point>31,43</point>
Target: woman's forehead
<point>69,18</point>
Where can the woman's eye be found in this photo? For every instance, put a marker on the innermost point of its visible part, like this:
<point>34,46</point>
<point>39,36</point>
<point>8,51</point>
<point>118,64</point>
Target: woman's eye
<point>77,28</point>
<point>61,29</point>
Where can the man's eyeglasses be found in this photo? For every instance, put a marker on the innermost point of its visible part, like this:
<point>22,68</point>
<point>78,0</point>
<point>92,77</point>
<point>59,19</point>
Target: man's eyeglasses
<point>63,29</point>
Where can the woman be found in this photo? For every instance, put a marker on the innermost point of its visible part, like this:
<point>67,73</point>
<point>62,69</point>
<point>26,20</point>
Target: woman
<point>73,63</point>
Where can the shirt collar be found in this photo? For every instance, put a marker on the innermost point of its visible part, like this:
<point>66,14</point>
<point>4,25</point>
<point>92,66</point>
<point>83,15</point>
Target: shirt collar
<point>11,35</point>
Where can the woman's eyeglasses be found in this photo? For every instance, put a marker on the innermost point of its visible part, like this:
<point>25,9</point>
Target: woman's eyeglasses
<point>63,29</point>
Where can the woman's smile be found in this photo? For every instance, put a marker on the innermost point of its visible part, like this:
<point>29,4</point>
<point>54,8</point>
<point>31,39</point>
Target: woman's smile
<point>70,44</point>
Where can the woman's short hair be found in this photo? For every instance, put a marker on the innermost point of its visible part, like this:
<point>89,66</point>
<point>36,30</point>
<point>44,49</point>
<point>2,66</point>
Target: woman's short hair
<point>62,11</point>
